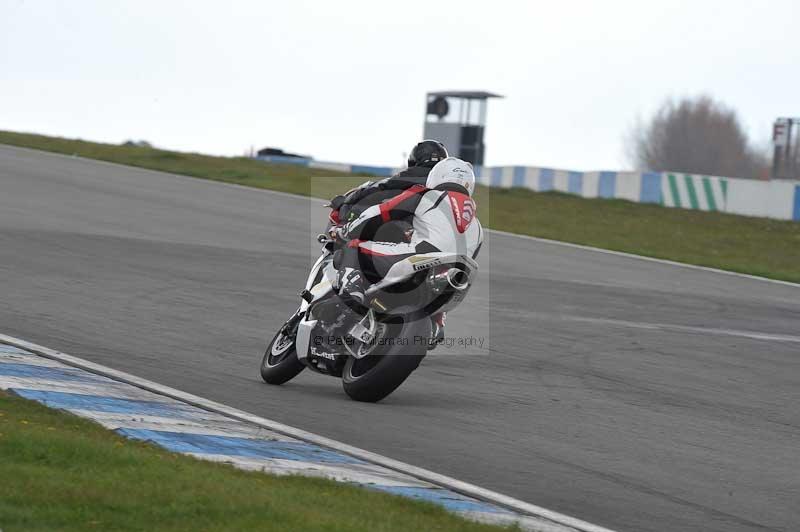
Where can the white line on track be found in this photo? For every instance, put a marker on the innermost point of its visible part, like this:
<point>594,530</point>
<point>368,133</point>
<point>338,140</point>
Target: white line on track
<point>559,521</point>
<point>753,335</point>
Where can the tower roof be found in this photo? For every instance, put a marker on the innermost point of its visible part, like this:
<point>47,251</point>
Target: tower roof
<point>473,95</point>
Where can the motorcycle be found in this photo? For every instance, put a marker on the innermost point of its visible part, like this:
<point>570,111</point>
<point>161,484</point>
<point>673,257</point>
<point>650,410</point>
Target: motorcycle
<point>373,348</point>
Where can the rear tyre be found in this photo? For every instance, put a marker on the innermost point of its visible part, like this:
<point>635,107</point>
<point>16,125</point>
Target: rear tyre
<point>375,376</point>
<point>280,363</point>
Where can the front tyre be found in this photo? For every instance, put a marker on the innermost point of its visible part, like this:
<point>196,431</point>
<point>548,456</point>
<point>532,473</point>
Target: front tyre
<point>375,376</point>
<point>280,363</point>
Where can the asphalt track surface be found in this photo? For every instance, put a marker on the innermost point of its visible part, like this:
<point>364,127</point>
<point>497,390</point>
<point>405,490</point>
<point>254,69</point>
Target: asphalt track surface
<point>632,394</point>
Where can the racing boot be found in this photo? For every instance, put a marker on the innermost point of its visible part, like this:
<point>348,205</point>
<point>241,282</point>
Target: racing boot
<point>350,285</point>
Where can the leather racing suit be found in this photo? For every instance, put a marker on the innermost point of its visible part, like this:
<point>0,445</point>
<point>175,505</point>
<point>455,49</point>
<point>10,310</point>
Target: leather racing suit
<point>443,219</point>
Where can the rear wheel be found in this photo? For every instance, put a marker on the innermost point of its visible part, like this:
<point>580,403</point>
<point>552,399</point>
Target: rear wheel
<point>396,355</point>
<point>280,363</point>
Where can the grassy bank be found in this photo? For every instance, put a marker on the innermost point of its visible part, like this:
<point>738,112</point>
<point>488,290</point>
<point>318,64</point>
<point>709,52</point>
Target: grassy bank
<point>60,472</point>
<point>757,246</point>
<point>241,170</point>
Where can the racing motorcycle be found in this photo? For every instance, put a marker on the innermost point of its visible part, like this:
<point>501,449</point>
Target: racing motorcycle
<point>373,347</point>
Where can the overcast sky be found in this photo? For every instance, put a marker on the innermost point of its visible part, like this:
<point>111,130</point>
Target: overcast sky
<point>346,81</point>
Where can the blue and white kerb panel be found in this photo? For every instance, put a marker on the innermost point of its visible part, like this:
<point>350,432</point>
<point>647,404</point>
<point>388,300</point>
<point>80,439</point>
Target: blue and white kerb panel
<point>180,427</point>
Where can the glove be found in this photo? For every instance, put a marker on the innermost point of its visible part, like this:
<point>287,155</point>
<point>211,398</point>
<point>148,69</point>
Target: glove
<point>347,231</point>
<point>337,232</point>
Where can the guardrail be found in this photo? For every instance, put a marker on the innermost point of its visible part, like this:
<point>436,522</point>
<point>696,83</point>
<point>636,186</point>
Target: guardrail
<point>779,199</point>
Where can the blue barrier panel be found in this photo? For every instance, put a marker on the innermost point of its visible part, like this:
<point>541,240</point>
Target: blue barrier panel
<point>483,176</point>
<point>282,159</point>
<point>796,214</point>
<point>546,178</point>
<point>651,188</point>
<point>497,176</point>
<point>607,186</point>
<point>519,177</point>
<point>575,182</point>
<point>381,171</point>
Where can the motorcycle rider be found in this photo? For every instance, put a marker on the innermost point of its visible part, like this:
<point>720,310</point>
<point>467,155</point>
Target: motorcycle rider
<point>442,214</point>
<point>423,157</point>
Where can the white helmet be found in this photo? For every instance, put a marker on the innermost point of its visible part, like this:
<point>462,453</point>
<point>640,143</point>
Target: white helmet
<point>452,170</point>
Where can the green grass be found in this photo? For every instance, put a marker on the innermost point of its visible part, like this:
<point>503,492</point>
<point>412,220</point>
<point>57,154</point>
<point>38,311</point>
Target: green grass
<point>61,472</point>
<point>758,246</point>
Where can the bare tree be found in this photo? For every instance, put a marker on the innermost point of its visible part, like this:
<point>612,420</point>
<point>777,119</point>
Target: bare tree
<point>696,136</point>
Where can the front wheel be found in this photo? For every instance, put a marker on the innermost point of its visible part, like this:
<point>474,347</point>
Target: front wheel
<point>280,363</point>
<point>394,358</point>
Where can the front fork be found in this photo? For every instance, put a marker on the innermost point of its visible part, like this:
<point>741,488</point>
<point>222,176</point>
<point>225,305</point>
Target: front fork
<point>290,327</point>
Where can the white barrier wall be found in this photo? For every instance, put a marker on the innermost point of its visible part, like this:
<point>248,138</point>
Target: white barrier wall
<point>769,199</point>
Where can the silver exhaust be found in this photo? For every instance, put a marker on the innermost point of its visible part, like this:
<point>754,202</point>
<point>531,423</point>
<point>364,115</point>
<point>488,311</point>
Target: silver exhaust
<point>458,279</point>
<point>455,278</point>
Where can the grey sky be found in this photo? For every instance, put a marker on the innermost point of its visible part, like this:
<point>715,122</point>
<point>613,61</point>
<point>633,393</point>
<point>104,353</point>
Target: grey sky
<point>345,81</point>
